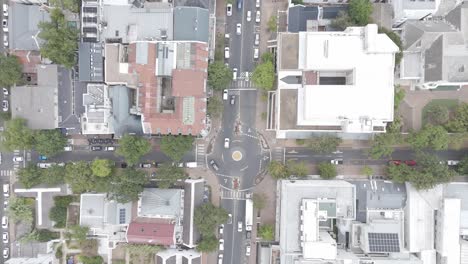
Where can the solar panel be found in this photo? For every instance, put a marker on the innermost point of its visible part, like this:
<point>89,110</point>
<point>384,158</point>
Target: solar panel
<point>122,216</point>
<point>384,242</point>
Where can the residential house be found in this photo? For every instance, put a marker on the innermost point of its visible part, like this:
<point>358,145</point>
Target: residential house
<point>97,118</point>
<point>333,82</point>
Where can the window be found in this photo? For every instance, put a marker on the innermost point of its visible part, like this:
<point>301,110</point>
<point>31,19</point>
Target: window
<point>121,216</point>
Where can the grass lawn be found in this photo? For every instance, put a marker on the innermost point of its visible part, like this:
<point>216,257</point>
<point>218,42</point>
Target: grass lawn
<point>450,104</point>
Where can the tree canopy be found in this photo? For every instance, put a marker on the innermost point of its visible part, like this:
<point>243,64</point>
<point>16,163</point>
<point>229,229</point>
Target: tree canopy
<point>462,167</point>
<point>176,146</point>
<point>21,209</point>
<point>327,170</point>
<point>30,176</point>
<point>272,23</point>
<point>79,176</point>
<point>60,39</point>
<point>132,148</point>
<point>127,185</point>
<point>219,75</point>
<point>208,244</point>
<point>433,137</point>
<point>278,170</point>
<point>168,175</point>
<point>17,135</point>
<point>259,200</point>
<point>437,114</point>
<point>70,5</point>
<point>382,145</point>
<point>10,70</point>
<point>49,142</point>
<point>207,217</point>
<point>53,175</point>
<point>264,76</point>
<point>102,167</point>
<point>266,232</point>
<point>360,11</point>
<point>324,144</point>
<point>297,168</point>
<point>214,107</point>
<point>459,121</point>
<point>78,232</point>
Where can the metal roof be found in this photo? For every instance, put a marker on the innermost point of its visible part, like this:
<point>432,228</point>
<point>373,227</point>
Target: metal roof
<point>298,16</point>
<point>191,23</point>
<point>91,62</point>
<point>122,121</point>
<point>23,21</point>
<point>162,203</point>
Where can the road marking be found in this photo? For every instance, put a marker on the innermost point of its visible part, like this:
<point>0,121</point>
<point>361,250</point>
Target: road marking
<point>292,152</point>
<point>243,169</point>
<point>299,156</point>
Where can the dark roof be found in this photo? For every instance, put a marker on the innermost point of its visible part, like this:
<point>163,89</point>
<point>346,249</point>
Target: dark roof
<point>433,61</point>
<point>171,260</point>
<point>331,12</point>
<point>196,260</point>
<point>298,16</point>
<point>68,119</point>
<point>90,59</point>
<point>191,23</point>
<point>122,121</point>
<point>184,260</point>
<point>193,197</point>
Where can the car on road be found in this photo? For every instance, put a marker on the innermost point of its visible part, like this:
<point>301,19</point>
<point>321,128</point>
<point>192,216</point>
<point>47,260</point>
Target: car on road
<point>5,105</point>
<point>45,165</point>
<point>233,99</point>
<point>410,162</point>
<point>5,25</point>
<point>5,40</point>
<point>220,259</point>
<point>247,250</point>
<point>257,39</point>
<point>248,234</point>
<point>234,74</point>
<point>221,229</point>
<point>5,204</point>
<point>5,10</point>
<point>6,253</point>
<point>214,165</point>
<point>229,221</point>
<point>5,91</point>
<point>257,3</point>
<point>6,190</point>
<point>257,16</point>
<point>68,148</point>
<point>18,159</point>
<point>145,165</point>
<point>336,161</point>
<point>111,148</point>
<point>239,226</point>
<point>229,9</point>
<point>226,52</point>
<point>249,16</point>
<point>453,162</point>
<point>256,53</point>
<point>226,143</point>
<point>96,148</point>
<point>238,29</point>
<point>225,94</point>
<point>394,162</point>
<point>5,222</point>
<point>5,238</point>
<point>221,244</point>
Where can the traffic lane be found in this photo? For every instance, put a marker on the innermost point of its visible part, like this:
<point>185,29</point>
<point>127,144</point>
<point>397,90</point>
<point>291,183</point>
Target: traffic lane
<point>228,205</point>
<point>234,40</point>
<point>248,38</point>
<point>234,240</point>
<point>248,108</point>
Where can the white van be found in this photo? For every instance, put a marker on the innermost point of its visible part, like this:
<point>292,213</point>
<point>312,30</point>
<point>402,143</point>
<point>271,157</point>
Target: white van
<point>234,74</point>
<point>191,164</point>
<point>6,190</point>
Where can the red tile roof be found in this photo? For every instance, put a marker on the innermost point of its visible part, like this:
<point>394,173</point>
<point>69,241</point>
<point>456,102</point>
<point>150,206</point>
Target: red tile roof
<point>151,233</point>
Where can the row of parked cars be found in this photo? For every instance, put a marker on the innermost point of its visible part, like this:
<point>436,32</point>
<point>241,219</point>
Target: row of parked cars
<point>5,25</point>
<point>5,236</point>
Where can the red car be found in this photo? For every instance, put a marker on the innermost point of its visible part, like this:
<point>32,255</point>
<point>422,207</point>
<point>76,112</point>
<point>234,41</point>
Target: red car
<point>410,162</point>
<point>394,162</point>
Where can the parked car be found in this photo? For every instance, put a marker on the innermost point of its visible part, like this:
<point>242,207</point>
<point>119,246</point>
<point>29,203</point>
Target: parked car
<point>5,41</point>
<point>45,165</point>
<point>256,53</point>
<point>226,143</point>
<point>221,244</point>
<point>42,157</point>
<point>394,162</point>
<point>239,226</point>
<point>5,238</point>
<point>257,3</point>
<point>123,165</point>
<point>225,94</point>
<point>248,234</point>
<point>229,9</point>
<point>214,165</point>
<point>6,190</point>
<point>96,148</point>
<point>110,148</point>
<point>226,52</point>
<point>238,29</point>
<point>145,165</point>
<point>221,229</point>
<point>234,74</point>
<point>220,259</point>
<point>6,253</point>
<point>191,164</point>
<point>233,99</point>
<point>410,162</point>
<point>18,159</point>
<point>257,16</point>
<point>257,39</point>
<point>452,162</point>
<point>5,91</point>
<point>5,10</point>
<point>5,204</point>
<point>68,148</point>
<point>4,222</point>
<point>229,221</point>
<point>247,250</point>
<point>5,25</point>
<point>336,161</point>
<point>5,105</point>
<point>249,16</point>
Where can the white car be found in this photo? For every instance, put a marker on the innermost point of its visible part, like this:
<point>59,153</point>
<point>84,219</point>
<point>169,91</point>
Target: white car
<point>239,226</point>
<point>5,10</point>
<point>238,29</point>
<point>5,238</point>
<point>5,91</point>
<point>5,40</point>
<point>257,39</point>
<point>5,222</point>
<point>247,250</point>
<point>225,94</point>
<point>234,74</point>
<point>337,161</point>
<point>257,16</point>
<point>229,9</point>
<point>256,53</point>
<point>257,3</point>
<point>226,52</point>
<point>220,259</point>
<point>229,221</point>
<point>221,244</point>
<point>5,25</point>
<point>18,159</point>
<point>452,162</point>
<point>6,190</point>
<point>221,229</point>
<point>5,204</point>
<point>6,253</point>
<point>249,16</point>
<point>111,148</point>
<point>226,143</point>
<point>68,148</point>
<point>5,106</point>
<point>45,165</point>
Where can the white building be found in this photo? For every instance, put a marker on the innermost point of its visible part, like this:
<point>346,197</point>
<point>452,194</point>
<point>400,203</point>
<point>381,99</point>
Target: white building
<point>333,82</point>
<point>97,118</point>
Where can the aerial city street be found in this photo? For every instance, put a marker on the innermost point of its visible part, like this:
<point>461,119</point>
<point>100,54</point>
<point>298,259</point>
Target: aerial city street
<point>234,132</point>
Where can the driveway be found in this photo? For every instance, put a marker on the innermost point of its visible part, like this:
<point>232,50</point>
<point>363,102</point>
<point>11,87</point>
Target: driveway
<point>414,102</point>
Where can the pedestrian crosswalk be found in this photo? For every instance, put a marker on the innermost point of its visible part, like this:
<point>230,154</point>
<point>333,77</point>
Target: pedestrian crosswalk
<point>233,194</point>
<point>200,149</point>
<point>242,84</point>
<point>6,173</point>
<point>278,154</point>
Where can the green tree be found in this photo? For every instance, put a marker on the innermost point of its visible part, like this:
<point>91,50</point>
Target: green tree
<point>53,175</point>
<point>17,135</point>
<point>266,232</point>
<point>437,114</point>
<point>399,97</point>
<point>324,144</point>
<point>102,167</point>
<point>297,2</point>
<point>360,11</point>
<point>78,232</point>
<point>63,201</point>
<point>397,40</point>
<point>168,175</point>
<point>264,76</point>
<point>207,217</point>
<point>278,170</point>
<point>41,235</point>
<point>462,167</point>
<point>10,70</point>
<point>208,244</point>
<point>434,137</point>
<point>29,176</point>
<point>132,148</point>
<point>90,259</point>
<point>21,209</point>
<point>399,173</point>
<point>138,249</point>
<point>272,23</point>
<point>259,200</point>
<point>368,171</point>
<point>79,176</point>
<point>298,169</point>
<point>327,170</point>
<point>219,75</point>
<point>459,122</point>
<point>457,140</point>
<point>382,145</point>
<point>58,214</point>
<point>214,107</point>
<point>49,142</point>
<point>127,185</point>
<point>176,146</point>
<point>268,57</point>
<point>342,21</point>
<point>70,5</point>
<point>60,40</point>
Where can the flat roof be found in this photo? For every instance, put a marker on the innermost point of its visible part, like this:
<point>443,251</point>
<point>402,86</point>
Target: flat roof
<point>191,23</point>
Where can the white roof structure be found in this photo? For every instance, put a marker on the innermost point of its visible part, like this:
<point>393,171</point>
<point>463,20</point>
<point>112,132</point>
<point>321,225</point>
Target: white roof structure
<point>448,231</point>
<point>97,118</point>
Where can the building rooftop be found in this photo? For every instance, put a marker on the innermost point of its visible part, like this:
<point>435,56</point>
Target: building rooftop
<point>193,197</point>
<point>124,118</point>
<point>91,62</point>
<point>97,118</point>
<point>161,203</point>
<point>23,24</point>
<point>96,211</point>
<point>151,233</point>
<point>38,104</point>
<point>191,23</point>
